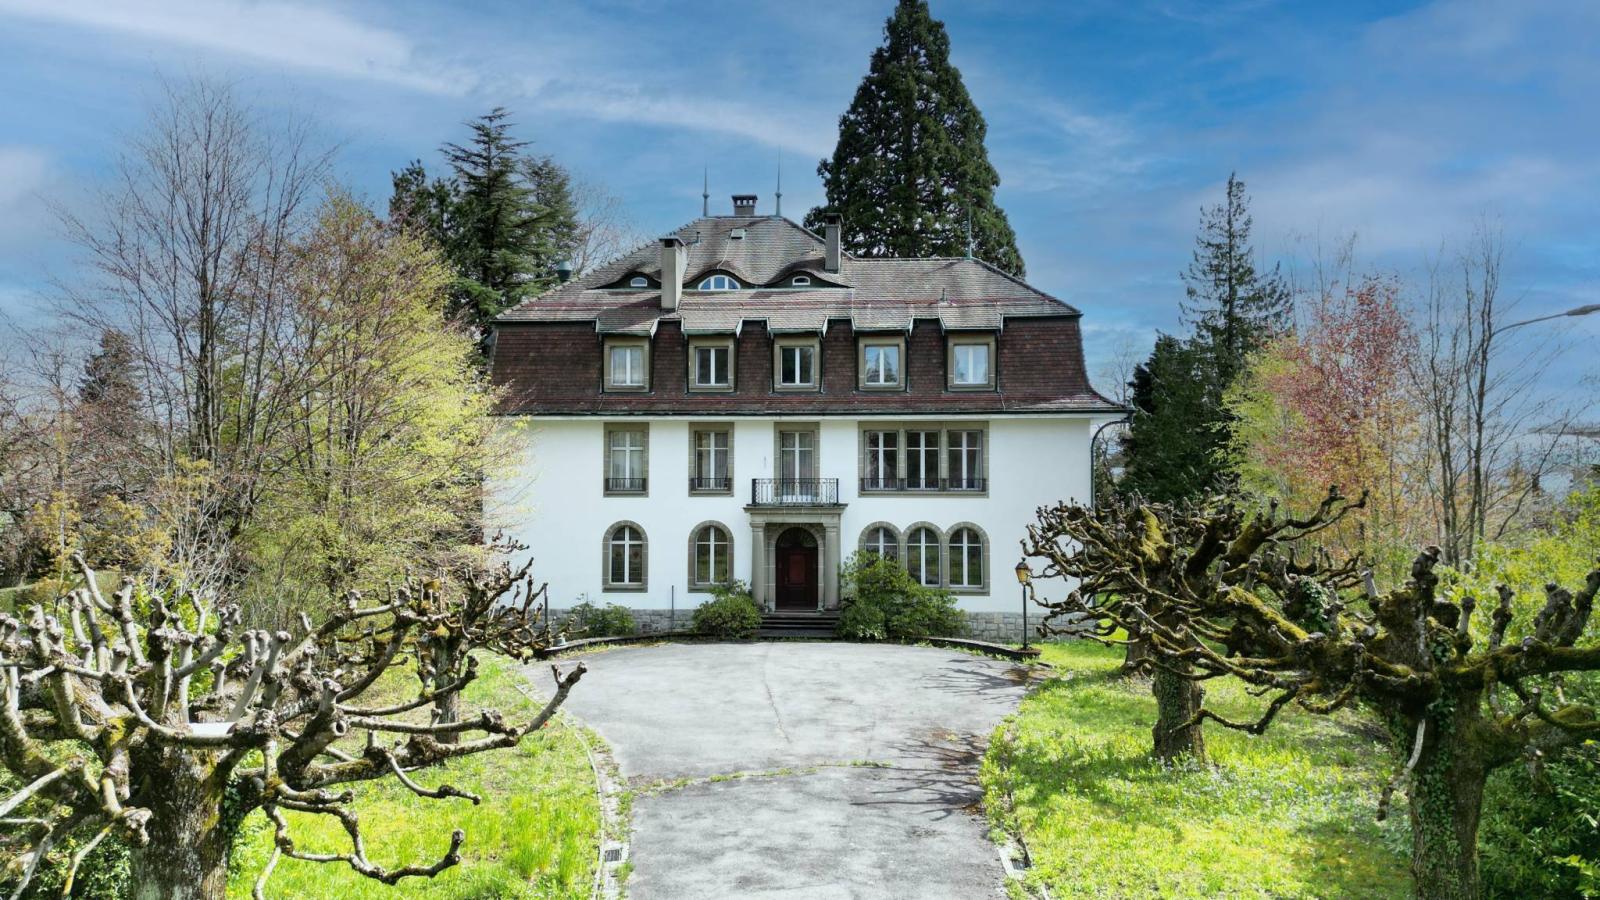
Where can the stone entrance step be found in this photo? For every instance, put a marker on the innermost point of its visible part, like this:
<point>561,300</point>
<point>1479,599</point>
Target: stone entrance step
<point>798,623</point>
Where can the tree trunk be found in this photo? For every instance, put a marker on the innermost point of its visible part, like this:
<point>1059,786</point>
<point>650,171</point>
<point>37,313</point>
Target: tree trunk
<point>190,832</point>
<point>1446,798</point>
<point>1177,701</point>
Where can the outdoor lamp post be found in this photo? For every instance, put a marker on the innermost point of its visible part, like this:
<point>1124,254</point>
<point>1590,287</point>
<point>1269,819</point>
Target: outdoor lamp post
<point>1023,578</point>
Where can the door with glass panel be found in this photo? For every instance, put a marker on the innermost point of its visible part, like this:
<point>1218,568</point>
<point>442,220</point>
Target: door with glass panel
<point>797,466</point>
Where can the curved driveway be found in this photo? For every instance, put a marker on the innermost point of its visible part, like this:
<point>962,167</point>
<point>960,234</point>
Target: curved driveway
<point>860,765</point>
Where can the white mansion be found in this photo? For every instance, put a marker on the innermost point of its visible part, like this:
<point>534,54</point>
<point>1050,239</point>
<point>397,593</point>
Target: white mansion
<point>745,400</point>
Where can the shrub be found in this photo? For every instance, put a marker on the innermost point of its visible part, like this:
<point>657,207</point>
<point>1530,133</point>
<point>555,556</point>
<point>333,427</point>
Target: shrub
<point>730,613</point>
<point>886,604</point>
<point>1539,837</point>
<point>588,620</point>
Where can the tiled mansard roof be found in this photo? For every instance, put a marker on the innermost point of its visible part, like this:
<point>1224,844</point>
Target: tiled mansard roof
<point>875,294</point>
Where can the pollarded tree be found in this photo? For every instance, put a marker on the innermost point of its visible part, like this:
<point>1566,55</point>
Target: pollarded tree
<point>1460,696</point>
<point>165,724</point>
<point>1143,568</point>
<point>910,174</point>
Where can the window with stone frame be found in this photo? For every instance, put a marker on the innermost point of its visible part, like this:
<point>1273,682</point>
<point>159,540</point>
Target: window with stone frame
<point>967,562</point>
<point>712,562</point>
<point>711,460</point>
<point>881,467</point>
<point>796,365</point>
<point>882,540</point>
<point>922,555</point>
<point>625,557</point>
<point>627,459</point>
<point>711,364</point>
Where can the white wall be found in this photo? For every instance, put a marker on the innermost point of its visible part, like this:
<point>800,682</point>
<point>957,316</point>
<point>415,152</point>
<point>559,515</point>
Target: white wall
<point>555,505</point>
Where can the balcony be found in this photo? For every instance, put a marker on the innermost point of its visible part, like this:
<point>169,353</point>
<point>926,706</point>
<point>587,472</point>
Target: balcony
<point>794,492</point>
<point>625,485</point>
<point>875,485</point>
<point>719,484</point>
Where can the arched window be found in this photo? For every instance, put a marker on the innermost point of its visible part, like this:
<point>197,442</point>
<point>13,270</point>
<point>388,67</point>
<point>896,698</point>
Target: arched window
<point>719,283</point>
<point>801,280</point>
<point>882,540</point>
<point>639,281</point>
<point>712,556</point>
<point>922,555</point>
<point>966,558</point>
<point>625,557</point>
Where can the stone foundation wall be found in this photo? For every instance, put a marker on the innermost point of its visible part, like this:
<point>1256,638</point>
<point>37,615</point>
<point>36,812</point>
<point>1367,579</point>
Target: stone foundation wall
<point>1000,627</point>
<point>646,621</point>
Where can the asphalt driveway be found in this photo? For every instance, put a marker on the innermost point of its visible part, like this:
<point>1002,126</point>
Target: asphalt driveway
<point>857,764</point>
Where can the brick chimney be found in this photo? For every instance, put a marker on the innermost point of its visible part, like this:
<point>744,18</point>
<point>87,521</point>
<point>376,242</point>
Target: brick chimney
<point>673,259</point>
<point>744,204</point>
<point>832,225</point>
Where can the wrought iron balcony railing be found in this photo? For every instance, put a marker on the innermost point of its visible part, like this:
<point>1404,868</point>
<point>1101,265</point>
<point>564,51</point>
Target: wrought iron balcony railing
<point>794,492</point>
<point>875,484</point>
<point>709,483</point>
<point>625,485</point>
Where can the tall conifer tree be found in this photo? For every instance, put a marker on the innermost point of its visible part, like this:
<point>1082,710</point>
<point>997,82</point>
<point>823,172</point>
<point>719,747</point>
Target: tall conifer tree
<point>910,175</point>
<point>1181,427</point>
<point>1233,308</point>
<point>504,219</point>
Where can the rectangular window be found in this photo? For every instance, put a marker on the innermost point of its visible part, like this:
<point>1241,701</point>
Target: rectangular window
<point>713,366</point>
<point>626,366</point>
<point>965,463</point>
<point>922,460</point>
<point>797,365</point>
<point>881,365</point>
<point>711,461</point>
<point>625,460</point>
<point>882,462</point>
<point>971,365</point>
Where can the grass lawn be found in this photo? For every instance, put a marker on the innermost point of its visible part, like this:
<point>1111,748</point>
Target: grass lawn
<point>1285,814</point>
<point>536,834</point>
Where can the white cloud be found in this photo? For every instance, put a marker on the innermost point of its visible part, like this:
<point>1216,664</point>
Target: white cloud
<point>287,34</point>
<point>775,125</point>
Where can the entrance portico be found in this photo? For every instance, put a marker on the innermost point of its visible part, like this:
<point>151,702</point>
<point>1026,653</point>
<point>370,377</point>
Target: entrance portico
<point>795,560</point>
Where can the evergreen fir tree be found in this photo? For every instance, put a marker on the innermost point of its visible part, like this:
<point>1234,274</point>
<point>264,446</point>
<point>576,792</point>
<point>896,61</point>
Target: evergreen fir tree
<point>1172,444</point>
<point>504,220</point>
<point>1233,308</point>
<point>910,174</point>
<point>109,380</point>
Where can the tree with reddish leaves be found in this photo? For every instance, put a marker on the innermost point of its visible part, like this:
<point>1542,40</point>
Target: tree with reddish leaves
<point>1328,404</point>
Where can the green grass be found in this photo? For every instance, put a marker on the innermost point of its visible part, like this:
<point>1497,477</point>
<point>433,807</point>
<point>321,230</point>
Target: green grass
<point>1285,814</point>
<point>536,834</point>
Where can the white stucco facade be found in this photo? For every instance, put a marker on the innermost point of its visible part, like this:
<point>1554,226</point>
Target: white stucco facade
<point>554,499</point>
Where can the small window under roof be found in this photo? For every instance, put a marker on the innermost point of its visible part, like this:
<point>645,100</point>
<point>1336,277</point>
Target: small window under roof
<point>801,280</point>
<point>718,282</point>
<point>638,281</point>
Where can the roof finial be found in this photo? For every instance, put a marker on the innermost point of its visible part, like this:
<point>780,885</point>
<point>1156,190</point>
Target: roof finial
<point>705,193</point>
<point>969,232</point>
<point>778,208</point>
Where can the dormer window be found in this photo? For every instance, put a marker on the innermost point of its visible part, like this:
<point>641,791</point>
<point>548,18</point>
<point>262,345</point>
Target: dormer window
<point>638,281</point>
<point>719,283</point>
<point>801,280</point>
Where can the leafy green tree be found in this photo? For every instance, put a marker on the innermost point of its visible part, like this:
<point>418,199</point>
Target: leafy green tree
<point>1233,308</point>
<point>380,474</point>
<point>910,174</point>
<point>504,219</point>
<point>1173,443</point>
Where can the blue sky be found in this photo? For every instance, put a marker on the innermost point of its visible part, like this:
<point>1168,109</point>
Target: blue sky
<point>1110,121</point>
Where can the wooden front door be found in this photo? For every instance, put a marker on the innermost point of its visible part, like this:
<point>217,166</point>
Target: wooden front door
<point>795,559</point>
